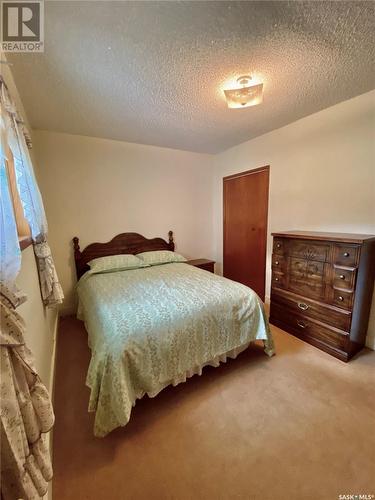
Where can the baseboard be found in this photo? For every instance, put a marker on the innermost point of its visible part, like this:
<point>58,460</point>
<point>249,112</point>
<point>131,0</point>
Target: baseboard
<point>370,341</point>
<point>267,302</point>
<point>51,390</point>
<point>51,382</point>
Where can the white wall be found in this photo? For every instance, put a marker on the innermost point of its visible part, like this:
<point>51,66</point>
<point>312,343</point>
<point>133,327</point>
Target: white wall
<point>322,175</point>
<point>40,321</point>
<point>96,188</point>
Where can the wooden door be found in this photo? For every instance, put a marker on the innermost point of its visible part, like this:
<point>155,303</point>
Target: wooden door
<point>245,227</point>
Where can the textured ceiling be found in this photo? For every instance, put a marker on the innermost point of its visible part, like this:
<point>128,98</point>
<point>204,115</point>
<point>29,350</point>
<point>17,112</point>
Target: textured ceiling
<point>153,72</point>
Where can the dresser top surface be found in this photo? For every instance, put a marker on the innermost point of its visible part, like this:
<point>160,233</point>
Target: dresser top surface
<point>317,235</point>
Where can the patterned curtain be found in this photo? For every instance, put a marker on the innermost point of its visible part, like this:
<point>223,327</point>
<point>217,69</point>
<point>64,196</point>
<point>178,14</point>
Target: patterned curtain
<point>16,137</point>
<point>25,410</point>
<point>52,293</point>
<point>26,414</point>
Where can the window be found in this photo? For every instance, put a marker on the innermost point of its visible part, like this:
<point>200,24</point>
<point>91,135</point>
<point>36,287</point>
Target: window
<point>23,228</point>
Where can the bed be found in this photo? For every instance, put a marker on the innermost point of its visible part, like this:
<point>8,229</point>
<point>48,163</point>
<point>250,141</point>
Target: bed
<point>156,326</point>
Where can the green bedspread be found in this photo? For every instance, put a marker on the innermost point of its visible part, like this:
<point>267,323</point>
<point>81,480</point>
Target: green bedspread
<point>149,327</point>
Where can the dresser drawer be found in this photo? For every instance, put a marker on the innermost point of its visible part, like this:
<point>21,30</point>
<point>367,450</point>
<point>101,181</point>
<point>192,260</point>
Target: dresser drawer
<point>206,264</point>
<point>342,298</point>
<point>209,266</point>
<point>346,255</point>
<point>278,262</point>
<point>308,328</point>
<point>278,280</point>
<point>344,277</point>
<point>279,245</point>
<point>307,277</point>
<point>309,308</point>
<point>309,250</point>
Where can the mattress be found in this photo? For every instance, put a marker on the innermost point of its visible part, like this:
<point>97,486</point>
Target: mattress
<point>155,326</point>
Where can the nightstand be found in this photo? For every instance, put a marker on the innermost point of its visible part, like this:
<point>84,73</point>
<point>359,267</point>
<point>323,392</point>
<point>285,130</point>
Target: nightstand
<point>208,265</point>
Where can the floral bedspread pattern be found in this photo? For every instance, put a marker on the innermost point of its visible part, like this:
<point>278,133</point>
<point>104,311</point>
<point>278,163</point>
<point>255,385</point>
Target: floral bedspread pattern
<point>149,327</point>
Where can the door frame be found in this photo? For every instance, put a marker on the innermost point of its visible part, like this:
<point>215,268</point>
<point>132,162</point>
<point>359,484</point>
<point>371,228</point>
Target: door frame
<point>265,168</point>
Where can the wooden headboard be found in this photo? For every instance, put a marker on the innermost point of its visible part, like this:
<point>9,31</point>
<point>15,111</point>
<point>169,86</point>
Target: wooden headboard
<point>122,243</point>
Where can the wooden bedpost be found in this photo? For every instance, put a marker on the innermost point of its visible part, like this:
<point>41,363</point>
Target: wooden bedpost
<point>77,251</point>
<point>171,242</point>
<point>77,256</point>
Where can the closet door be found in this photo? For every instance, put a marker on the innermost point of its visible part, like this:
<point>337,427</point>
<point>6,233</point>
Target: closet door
<point>245,227</point>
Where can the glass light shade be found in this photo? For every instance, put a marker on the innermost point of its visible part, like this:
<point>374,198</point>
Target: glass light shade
<point>243,97</point>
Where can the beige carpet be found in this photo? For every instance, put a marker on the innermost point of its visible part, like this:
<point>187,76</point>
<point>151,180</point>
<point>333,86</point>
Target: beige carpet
<point>300,425</point>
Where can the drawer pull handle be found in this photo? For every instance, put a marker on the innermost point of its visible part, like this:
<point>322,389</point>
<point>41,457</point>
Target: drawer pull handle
<point>340,297</point>
<point>346,254</point>
<point>276,279</point>
<point>278,245</point>
<point>342,277</point>
<point>301,324</point>
<point>303,306</point>
<point>276,263</point>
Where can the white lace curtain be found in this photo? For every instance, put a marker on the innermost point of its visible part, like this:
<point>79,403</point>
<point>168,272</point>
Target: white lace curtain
<point>12,135</point>
<point>10,256</point>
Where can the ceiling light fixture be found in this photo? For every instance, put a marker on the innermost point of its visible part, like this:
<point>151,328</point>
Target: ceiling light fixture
<point>246,95</point>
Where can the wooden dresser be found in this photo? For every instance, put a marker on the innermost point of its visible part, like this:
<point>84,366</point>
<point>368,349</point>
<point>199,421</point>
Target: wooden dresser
<point>321,290</point>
